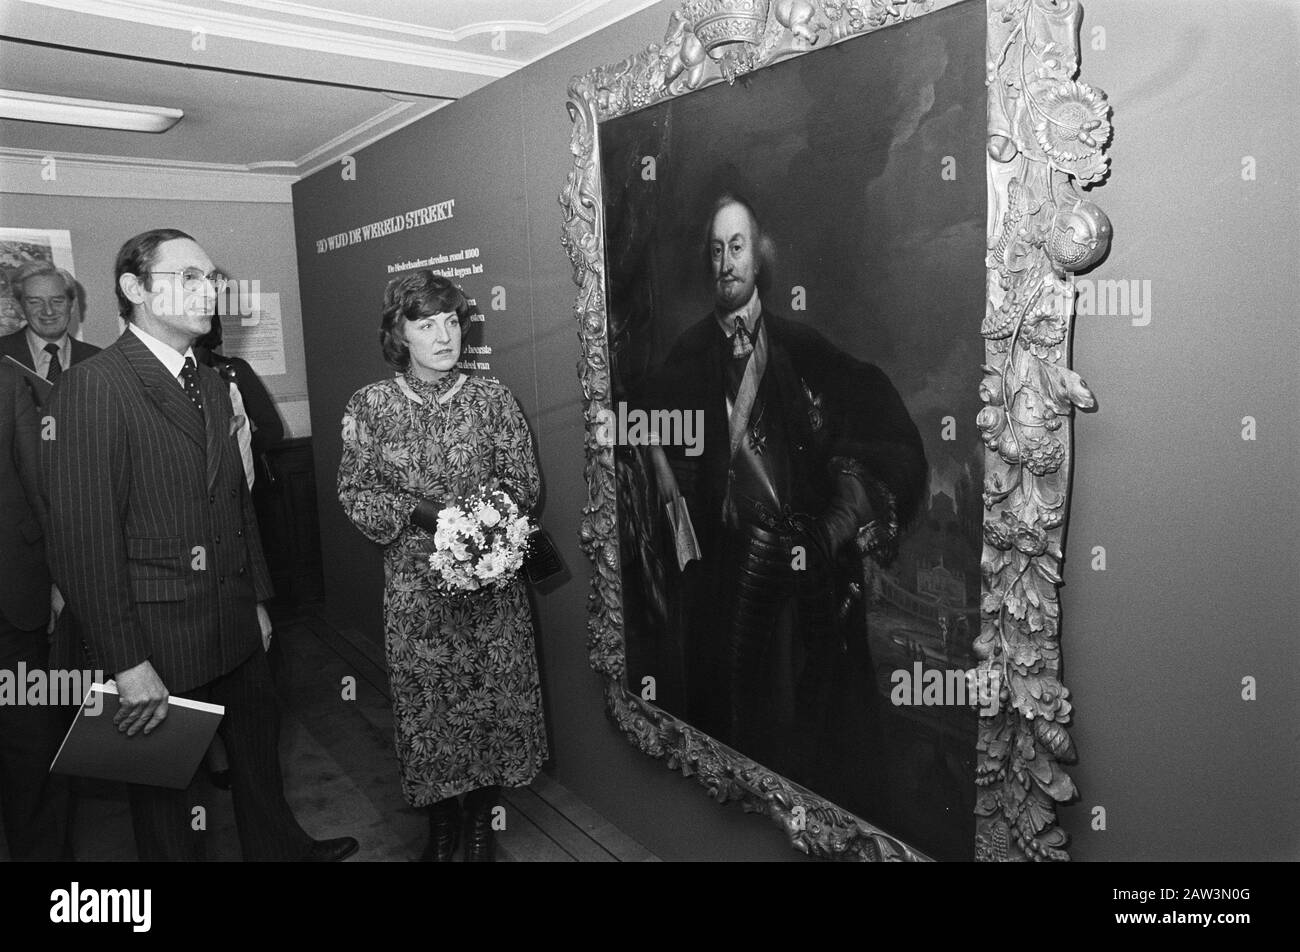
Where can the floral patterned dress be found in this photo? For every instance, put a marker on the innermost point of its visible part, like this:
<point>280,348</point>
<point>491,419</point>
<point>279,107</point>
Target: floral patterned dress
<point>462,667</point>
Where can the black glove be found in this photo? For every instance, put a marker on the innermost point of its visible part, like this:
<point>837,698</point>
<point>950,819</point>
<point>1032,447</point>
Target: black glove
<point>849,510</point>
<point>823,537</point>
<point>425,514</point>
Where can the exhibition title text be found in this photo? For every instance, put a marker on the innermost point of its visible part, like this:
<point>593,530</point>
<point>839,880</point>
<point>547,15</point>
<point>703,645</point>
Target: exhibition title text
<point>415,218</point>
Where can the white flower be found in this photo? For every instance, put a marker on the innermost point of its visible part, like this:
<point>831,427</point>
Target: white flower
<point>488,516</point>
<point>461,522</point>
<point>492,565</point>
<point>517,531</point>
<point>459,551</point>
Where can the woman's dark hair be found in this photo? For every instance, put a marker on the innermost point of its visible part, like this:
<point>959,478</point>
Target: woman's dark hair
<point>211,341</point>
<point>410,298</point>
<point>136,257</point>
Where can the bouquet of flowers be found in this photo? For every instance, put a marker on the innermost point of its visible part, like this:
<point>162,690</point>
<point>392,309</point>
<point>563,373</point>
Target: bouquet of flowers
<point>481,539</point>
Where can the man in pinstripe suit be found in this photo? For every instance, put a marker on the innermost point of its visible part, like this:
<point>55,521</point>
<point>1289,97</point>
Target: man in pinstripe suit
<point>154,543</point>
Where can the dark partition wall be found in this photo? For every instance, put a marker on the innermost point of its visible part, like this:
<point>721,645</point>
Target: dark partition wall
<point>1200,527</point>
<point>449,193</point>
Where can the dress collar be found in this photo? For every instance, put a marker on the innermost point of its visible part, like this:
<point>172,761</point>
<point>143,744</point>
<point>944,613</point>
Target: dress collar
<point>421,391</point>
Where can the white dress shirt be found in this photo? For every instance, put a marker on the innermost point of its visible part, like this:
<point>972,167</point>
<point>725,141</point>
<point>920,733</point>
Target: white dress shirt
<point>41,357</point>
<point>172,359</point>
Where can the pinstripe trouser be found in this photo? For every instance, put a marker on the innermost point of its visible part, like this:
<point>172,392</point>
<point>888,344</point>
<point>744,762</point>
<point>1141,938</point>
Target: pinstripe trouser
<point>251,732</point>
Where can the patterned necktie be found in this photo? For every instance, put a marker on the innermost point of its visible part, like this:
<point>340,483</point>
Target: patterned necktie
<point>55,370</point>
<point>742,342</point>
<point>190,378</point>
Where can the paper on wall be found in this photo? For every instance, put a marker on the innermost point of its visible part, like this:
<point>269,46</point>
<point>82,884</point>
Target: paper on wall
<point>257,337</point>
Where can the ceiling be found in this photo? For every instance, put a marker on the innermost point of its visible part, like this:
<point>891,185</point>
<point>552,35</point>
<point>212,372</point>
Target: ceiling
<point>272,87</point>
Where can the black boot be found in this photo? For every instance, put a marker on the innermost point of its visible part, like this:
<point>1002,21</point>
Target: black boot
<point>480,838</point>
<point>444,831</point>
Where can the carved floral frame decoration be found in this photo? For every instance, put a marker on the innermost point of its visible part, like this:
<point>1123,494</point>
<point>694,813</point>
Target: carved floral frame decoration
<point>1047,135</point>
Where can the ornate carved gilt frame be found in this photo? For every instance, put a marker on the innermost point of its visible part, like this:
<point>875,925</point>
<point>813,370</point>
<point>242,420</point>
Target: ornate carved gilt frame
<point>1047,135</point>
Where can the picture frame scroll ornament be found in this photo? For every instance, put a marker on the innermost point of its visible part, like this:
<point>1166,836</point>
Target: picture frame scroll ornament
<point>1047,136</point>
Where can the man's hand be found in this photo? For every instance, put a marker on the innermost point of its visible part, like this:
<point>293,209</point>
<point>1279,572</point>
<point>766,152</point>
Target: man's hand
<point>264,620</point>
<point>142,699</point>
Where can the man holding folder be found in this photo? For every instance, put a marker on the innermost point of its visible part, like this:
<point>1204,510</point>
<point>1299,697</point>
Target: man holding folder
<point>154,543</point>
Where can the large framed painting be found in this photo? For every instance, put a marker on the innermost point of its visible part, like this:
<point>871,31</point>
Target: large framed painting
<point>825,255</point>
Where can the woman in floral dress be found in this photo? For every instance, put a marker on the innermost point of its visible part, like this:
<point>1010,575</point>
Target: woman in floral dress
<point>462,667</point>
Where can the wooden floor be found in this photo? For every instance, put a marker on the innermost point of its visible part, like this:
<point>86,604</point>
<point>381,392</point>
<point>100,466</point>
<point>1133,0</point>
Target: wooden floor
<point>545,822</point>
<point>341,771</point>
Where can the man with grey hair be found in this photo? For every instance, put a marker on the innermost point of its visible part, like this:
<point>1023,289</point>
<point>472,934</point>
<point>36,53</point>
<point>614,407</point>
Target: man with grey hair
<point>48,298</point>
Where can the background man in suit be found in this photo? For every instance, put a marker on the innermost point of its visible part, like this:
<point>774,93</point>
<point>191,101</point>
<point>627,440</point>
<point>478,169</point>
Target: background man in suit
<point>33,803</point>
<point>52,302</point>
<point>49,299</point>
<point>154,543</point>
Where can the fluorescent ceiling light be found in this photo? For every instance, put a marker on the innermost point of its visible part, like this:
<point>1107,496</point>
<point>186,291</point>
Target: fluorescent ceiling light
<point>61,110</point>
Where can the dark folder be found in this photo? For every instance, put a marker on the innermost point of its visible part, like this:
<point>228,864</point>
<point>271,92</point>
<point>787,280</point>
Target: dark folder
<point>40,386</point>
<point>166,757</point>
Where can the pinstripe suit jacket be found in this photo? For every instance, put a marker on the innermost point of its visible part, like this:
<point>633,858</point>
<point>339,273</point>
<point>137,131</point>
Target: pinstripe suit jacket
<point>152,536</point>
<point>24,578</point>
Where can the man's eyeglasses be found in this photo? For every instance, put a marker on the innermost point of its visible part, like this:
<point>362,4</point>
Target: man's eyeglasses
<point>192,279</point>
